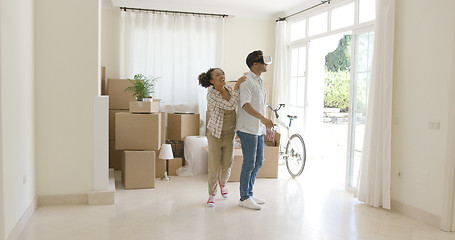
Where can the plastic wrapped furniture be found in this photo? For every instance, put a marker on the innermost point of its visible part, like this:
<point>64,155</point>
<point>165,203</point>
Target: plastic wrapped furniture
<point>196,157</point>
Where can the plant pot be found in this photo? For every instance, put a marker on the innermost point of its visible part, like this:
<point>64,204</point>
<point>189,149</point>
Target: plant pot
<point>144,99</point>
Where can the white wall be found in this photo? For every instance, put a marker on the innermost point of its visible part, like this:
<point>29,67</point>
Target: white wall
<point>17,111</point>
<point>110,41</point>
<point>243,36</point>
<point>422,76</point>
<point>66,44</point>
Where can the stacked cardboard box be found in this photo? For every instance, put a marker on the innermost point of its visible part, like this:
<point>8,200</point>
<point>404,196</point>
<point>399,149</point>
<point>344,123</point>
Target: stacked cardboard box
<point>118,102</point>
<point>269,167</point>
<point>138,169</point>
<point>179,126</point>
<point>136,131</point>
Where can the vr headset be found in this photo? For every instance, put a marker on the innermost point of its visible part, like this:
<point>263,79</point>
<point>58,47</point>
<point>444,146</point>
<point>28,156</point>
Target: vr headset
<point>263,59</point>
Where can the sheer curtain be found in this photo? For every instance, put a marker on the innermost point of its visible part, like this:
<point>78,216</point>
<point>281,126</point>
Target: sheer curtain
<point>280,80</point>
<point>175,48</point>
<point>374,181</point>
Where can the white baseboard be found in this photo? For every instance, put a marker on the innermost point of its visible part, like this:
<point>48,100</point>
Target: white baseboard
<point>417,214</point>
<point>65,199</point>
<point>20,226</point>
<point>91,198</point>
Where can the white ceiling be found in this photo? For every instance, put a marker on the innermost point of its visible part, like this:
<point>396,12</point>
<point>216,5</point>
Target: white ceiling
<point>255,9</point>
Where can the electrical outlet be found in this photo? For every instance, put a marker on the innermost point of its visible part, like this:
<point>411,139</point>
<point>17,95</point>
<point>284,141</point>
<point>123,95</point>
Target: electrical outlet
<point>434,125</point>
<point>400,173</point>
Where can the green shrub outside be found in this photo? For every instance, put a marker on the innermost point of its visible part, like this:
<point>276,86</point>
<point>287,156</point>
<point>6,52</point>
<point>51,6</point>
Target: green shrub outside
<point>336,90</point>
<point>337,81</point>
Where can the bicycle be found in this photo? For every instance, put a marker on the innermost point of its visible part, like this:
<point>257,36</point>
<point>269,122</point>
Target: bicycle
<point>295,152</point>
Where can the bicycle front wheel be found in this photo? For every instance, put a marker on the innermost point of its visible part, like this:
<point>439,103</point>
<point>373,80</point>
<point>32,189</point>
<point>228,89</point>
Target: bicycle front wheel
<point>295,155</point>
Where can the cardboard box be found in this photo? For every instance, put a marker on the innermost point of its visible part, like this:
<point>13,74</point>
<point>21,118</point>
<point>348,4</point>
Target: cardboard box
<point>269,167</point>
<point>173,165</point>
<point>180,126</point>
<point>145,106</point>
<point>112,123</point>
<point>177,148</point>
<point>163,128</point>
<point>137,131</point>
<point>138,169</point>
<point>103,81</point>
<point>236,166</point>
<point>118,97</point>
<point>115,157</point>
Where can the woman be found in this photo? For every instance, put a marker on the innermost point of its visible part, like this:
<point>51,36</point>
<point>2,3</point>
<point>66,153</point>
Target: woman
<point>222,101</point>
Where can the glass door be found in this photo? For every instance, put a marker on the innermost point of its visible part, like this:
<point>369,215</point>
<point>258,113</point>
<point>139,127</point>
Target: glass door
<point>362,55</point>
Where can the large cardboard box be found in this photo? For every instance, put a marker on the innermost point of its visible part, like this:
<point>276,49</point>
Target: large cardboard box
<point>160,166</point>
<point>269,167</point>
<point>163,128</point>
<point>180,126</point>
<point>137,131</point>
<point>145,106</point>
<point>118,97</point>
<point>173,165</point>
<point>112,123</point>
<point>103,81</point>
<point>115,157</point>
<point>138,169</point>
<point>236,166</point>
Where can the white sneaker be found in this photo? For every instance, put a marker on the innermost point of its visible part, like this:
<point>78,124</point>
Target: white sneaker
<point>258,200</point>
<point>249,203</point>
<point>224,190</point>
<point>211,201</point>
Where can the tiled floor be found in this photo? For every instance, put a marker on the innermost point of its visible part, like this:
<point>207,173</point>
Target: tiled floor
<point>314,206</point>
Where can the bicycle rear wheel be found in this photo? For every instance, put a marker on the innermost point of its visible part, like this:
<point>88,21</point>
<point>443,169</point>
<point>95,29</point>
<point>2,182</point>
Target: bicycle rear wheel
<point>295,155</point>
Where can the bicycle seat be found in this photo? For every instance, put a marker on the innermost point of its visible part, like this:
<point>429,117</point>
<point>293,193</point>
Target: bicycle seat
<point>292,117</point>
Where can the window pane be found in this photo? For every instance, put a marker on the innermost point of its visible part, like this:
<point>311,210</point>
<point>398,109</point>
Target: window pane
<point>302,56</point>
<point>294,61</point>
<point>298,30</point>
<point>362,53</point>
<point>300,91</point>
<point>293,94</point>
<point>370,52</point>
<point>343,16</point>
<point>363,84</point>
<point>318,24</point>
<point>367,10</point>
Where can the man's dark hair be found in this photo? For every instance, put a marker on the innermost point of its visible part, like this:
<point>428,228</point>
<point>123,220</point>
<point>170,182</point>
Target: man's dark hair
<point>253,57</point>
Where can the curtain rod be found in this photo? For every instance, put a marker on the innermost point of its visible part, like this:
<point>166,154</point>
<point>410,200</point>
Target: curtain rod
<point>174,12</point>
<point>321,3</point>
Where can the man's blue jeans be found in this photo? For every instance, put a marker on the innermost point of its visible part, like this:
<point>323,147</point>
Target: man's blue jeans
<point>253,155</point>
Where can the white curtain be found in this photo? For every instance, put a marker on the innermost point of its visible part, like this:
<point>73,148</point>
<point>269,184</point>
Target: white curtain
<point>374,183</point>
<point>280,80</point>
<point>175,48</point>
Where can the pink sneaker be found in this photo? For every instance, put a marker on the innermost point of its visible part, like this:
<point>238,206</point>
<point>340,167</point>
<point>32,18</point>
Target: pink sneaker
<point>224,191</point>
<point>211,201</point>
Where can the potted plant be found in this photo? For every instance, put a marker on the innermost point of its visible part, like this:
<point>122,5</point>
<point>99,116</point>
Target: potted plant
<point>142,88</point>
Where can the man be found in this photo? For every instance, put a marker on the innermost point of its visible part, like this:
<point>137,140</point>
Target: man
<point>251,127</point>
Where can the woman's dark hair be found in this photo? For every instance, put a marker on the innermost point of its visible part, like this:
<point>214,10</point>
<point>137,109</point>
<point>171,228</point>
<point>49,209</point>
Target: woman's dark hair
<point>205,77</point>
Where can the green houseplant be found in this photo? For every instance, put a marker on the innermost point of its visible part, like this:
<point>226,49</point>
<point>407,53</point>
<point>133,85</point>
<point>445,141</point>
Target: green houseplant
<point>142,88</point>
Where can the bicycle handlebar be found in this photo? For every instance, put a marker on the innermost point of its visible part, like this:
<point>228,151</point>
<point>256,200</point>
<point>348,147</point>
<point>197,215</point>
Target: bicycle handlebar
<point>276,109</point>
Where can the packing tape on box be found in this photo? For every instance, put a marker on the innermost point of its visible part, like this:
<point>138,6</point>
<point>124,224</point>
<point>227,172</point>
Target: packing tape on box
<point>196,157</point>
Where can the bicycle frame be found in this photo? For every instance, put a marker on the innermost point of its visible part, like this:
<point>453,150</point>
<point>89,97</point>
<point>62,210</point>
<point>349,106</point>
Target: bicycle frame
<point>277,121</point>
<point>293,155</point>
